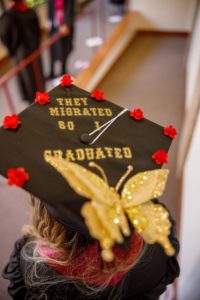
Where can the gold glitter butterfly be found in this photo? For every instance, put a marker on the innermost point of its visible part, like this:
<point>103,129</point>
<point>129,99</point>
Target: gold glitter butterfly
<point>107,213</point>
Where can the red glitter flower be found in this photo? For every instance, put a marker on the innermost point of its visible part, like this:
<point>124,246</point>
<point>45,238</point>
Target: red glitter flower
<point>170,131</point>
<point>160,157</point>
<point>11,122</point>
<point>137,114</point>
<point>66,80</point>
<point>98,95</point>
<point>17,176</point>
<point>42,98</point>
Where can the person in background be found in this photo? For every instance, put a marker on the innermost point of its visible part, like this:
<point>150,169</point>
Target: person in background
<point>61,19</point>
<point>20,33</point>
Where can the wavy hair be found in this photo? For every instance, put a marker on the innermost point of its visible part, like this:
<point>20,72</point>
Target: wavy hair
<point>44,230</point>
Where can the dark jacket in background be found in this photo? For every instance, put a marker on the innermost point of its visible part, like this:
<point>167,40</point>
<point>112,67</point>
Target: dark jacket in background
<point>20,33</point>
<point>61,49</point>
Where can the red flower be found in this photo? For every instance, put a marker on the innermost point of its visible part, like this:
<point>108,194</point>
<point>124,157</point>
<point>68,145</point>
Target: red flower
<point>17,176</point>
<point>160,157</point>
<point>98,95</point>
<point>11,122</point>
<point>137,114</point>
<point>170,131</point>
<point>42,98</point>
<point>66,80</point>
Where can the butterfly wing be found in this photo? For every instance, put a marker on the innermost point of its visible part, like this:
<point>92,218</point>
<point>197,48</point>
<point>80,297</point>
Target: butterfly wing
<point>103,214</point>
<point>143,187</point>
<point>83,181</point>
<point>100,220</point>
<point>150,220</point>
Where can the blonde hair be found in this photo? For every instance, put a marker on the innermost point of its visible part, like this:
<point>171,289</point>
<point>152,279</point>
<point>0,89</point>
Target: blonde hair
<point>46,231</point>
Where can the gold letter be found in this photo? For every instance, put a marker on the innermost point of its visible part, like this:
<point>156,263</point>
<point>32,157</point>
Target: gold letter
<point>76,111</point>
<point>69,111</point>
<point>101,112</point>
<point>57,153</point>
<point>84,100</point>
<point>94,111</point>
<point>61,125</point>
<point>108,112</point>
<point>96,124</point>
<point>70,125</point>
<point>109,151</point>
<point>80,155</point>
<point>86,112</point>
<point>70,155</point>
<point>53,111</point>
<point>127,152</point>
<point>118,153</point>
<point>77,102</point>
<point>47,153</point>
<point>62,111</point>
<point>89,153</point>
<point>99,153</point>
<point>68,102</point>
<point>60,101</point>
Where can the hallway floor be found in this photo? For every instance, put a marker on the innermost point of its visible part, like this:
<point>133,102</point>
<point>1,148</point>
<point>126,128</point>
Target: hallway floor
<point>150,75</point>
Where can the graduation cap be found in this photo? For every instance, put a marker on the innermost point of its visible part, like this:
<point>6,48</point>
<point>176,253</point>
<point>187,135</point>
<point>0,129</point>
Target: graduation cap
<point>95,165</point>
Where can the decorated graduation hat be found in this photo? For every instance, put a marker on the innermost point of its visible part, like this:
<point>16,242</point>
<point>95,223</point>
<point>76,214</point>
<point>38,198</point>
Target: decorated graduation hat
<point>95,165</point>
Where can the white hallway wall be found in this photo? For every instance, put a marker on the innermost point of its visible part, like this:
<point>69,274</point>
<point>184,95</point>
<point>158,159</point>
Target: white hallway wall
<point>188,285</point>
<point>170,15</point>
<point>178,15</point>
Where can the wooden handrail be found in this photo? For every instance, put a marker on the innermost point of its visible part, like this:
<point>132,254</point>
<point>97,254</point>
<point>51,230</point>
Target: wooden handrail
<point>29,59</point>
<point>12,72</point>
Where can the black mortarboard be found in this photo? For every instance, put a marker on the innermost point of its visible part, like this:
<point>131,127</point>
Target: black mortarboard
<point>61,128</point>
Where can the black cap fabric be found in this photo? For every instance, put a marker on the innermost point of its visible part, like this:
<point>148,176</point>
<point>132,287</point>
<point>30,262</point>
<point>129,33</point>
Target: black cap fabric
<point>61,128</point>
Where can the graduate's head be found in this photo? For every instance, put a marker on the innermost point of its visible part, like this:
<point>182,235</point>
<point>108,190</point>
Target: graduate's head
<point>95,167</point>
<point>72,254</point>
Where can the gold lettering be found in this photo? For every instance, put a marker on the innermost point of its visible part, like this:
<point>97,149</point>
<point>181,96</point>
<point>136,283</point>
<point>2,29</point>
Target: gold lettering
<point>60,101</point>
<point>70,125</point>
<point>77,102</point>
<point>108,112</point>
<point>96,124</point>
<point>53,111</point>
<point>47,153</point>
<point>118,153</point>
<point>70,155</point>
<point>94,111</point>
<point>89,153</point>
<point>62,110</point>
<point>80,155</point>
<point>69,111</point>
<point>57,153</point>
<point>77,111</point>
<point>99,154</point>
<point>127,152</point>
<point>109,151</point>
<point>61,125</point>
<point>68,102</point>
<point>86,112</point>
<point>84,100</point>
<point>101,112</point>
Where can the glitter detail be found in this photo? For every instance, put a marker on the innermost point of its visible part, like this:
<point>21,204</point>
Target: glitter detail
<point>107,213</point>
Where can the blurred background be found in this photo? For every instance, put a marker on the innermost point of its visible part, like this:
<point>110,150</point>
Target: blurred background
<point>141,53</point>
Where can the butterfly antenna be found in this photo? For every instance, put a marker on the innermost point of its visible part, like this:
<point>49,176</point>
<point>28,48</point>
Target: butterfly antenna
<point>121,180</point>
<point>100,169</point>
